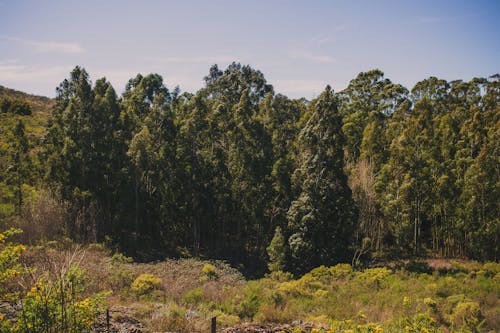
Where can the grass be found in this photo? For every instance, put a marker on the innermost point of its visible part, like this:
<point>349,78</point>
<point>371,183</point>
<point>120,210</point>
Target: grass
<point>446,296</point>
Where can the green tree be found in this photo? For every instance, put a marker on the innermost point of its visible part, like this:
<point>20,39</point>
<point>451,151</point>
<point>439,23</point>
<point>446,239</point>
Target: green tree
<point>20,162</point>
<point>322,218</point>
<point>277,251</point>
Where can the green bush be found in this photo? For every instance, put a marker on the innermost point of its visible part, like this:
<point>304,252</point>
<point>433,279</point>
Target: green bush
<point>145,284</point>
<point>468,314</point>
<point>209,272</point>
<point>59,305</point>
<point>249,307</point>
<point>194,296</point>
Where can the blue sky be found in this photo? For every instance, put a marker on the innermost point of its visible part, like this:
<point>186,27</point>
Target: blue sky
<point>300,46</point>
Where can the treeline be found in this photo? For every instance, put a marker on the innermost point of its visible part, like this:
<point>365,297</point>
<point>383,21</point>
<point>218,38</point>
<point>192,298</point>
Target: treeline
<point>238,172</point>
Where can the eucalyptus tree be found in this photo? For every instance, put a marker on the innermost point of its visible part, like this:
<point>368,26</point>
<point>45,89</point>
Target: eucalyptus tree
<point>322,218</point>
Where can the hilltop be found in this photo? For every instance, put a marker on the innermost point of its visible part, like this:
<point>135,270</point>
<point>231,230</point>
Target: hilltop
<point>40,105</point>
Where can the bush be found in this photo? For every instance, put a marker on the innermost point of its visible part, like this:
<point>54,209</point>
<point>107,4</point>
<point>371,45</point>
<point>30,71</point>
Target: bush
<point>340,271</point>
<point>120,278</point>
<point>121,258</point>
<point>59,305</point>
<point>174,320</point>
<point>144,284</point>
<point>468,314</point>
<point>249,307</point>
<point>43,217</point>
<point>194,297</point>
<point>224,319</point>
<point>209,272</point>
<point>9,259</point>
<point>374,276</point>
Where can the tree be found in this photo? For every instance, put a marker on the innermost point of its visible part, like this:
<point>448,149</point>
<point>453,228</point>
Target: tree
<point>367,94</point>
<point>276,251</point>
<point>20,162</point>
<point>322,218</point>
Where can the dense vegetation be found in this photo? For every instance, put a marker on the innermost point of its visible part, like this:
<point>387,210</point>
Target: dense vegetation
<point>67,289</point>
<point>371,174</point>
<point>238,172</point>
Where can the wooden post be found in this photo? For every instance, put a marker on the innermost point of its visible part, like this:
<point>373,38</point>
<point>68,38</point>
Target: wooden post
<point>107,320</point>
<point>214,325</point>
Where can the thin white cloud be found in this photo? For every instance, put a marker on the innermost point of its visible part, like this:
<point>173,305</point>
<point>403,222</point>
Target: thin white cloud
<point>332,34</point>
<point>13,71</point>
<point>194,59</point>
<point>323,39</point>
<point>46,46</point>
<point>440,19</point>
<point>308,56</point>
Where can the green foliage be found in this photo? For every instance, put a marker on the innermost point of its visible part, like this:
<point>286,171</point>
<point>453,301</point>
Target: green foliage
<point>321,233</point>
<point>276,251</point>
<point>194,296</point>
<point>59,305</point>
<point>209,272</point>
<point>145,284</point>
<point>219,172</point>
<point>9,259</point>
<point>16,106</point>
<point>249,306</point>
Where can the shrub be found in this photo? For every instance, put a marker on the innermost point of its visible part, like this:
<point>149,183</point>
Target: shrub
<point>468,314</point>
<point>307,285</point>
<point>120,278</point>
<point>121,258</point>
<point>194,296</point>
<point>340,271</point>
<point>146,283</point>
<point>421,322</point>
<point>209,272</point>
<point>249,307</point>
<point>374,276</point>
<point>491,269</point>
<point>58,305</point>
<point>224,319</point>
<point>43,217</point>
<point>174,320</point>
<point>9,256</point>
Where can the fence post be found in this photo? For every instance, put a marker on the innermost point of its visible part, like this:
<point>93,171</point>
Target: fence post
<point>107,320</point>
<point>214,324</point>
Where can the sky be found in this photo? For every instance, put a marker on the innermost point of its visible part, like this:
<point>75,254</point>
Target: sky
<point>300,46</point>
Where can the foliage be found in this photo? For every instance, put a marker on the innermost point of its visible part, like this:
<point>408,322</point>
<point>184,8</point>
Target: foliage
<point>59,305</point>
<point>146,283</point>
<point>9,259</point>
<point>350,176</point>
<point>209,272</point>
<point>276,251</point>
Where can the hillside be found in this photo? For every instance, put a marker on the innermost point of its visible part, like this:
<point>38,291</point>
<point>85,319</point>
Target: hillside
<point>35,124</point>
<point>183,295</point>
<point>40,105</point>
<point>308,200</point>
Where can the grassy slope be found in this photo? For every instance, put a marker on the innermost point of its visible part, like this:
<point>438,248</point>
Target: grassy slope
<point>411,297</point>
<point>35,125</point>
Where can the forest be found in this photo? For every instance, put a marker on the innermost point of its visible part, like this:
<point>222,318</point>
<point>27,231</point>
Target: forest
<point>240,173</point>
<point>160,206</point>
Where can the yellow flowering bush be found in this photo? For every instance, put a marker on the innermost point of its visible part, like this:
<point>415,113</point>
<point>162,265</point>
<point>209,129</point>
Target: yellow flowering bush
<point>145,284</point>
<point>9,255</point>
<point>209,272</point>
<point>59,306</point>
